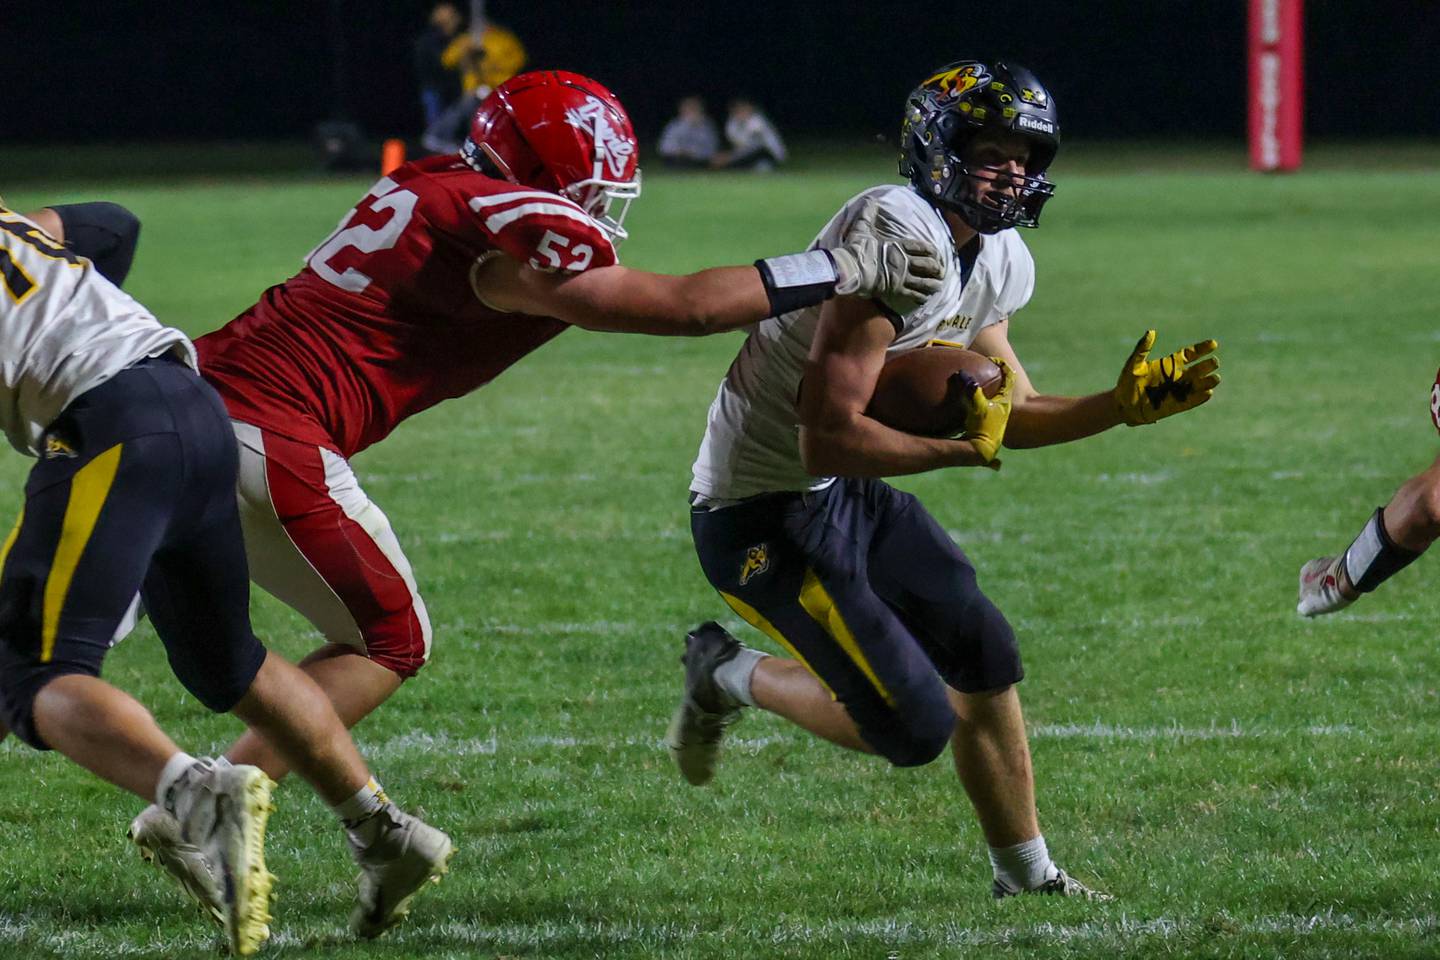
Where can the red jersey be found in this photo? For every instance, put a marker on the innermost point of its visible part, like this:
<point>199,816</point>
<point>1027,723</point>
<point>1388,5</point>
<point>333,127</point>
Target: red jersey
<point>383,321</point>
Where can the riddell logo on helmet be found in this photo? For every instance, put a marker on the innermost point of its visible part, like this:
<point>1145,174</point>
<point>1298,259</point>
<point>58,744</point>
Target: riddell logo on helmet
<point>1036,124</point>
<point>592,118</point>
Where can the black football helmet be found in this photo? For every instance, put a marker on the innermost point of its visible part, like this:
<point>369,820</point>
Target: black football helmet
<point>946,112</point>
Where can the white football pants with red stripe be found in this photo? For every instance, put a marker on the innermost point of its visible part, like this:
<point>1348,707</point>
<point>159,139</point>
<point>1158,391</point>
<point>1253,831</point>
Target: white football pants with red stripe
<point>317,543</point>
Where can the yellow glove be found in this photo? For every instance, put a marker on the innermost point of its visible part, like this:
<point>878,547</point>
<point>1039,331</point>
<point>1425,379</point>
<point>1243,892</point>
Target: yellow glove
<point>1150,390</point>
<point>985,423</point>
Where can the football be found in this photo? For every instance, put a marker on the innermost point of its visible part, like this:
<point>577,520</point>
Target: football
<point>924,391</point>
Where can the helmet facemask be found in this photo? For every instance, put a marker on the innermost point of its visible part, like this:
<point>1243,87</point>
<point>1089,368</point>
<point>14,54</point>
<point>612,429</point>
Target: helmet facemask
<point>992,210</point>
<point>604,195</point>
<point>607,202</point>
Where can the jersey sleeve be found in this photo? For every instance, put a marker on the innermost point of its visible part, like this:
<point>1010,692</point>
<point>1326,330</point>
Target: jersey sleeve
<point>907,216</point>
<point>1015,282</point>
<point>544,230</point>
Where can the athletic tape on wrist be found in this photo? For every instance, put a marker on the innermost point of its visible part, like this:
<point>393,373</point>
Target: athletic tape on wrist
<point>1374,558</point>
<point>798,280</point>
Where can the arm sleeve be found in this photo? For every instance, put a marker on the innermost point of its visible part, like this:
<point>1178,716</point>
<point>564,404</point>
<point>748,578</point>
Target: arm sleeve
<point>104,233</point>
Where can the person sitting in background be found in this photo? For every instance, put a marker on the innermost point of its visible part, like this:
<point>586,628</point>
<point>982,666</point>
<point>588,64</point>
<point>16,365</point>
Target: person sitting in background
<point>486,55</point>
<point>439,84</point>
<point>754,142</point>
<point>690,139</point>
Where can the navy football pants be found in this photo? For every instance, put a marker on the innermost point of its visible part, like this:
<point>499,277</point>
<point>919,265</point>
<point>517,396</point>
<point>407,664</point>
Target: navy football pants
<point>861,585</point>
<point>135,490</point>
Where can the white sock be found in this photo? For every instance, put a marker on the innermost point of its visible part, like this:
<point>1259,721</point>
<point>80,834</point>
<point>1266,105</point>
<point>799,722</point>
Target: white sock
<point>366,802</point>
<point>176,769</point>
<point>1024,866</point>
<point>733,676</point>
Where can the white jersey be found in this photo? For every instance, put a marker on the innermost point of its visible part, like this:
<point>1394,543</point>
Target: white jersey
<point>64,329</point>
<point>752,440</point>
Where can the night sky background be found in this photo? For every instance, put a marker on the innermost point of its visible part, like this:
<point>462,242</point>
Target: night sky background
<point>111,71</point>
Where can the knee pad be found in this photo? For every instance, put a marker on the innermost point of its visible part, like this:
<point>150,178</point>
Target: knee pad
<point>21,680</point>
<point>911,735</point>
<point>219,681</point>
<point>400,641</point>
<point>974,648</point>
<point>993,654</point>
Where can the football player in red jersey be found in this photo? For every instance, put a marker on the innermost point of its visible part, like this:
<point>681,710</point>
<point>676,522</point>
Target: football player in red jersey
<point>448,271</point>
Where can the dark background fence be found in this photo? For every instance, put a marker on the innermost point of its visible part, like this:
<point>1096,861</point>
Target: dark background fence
<point>104,71</point>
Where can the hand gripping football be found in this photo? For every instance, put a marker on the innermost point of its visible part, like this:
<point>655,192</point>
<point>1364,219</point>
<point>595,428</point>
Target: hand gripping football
<point>927,391</point>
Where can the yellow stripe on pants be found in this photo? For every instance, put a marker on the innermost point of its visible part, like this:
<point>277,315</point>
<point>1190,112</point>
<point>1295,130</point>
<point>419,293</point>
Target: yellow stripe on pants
<point>821,607</point>
<point>88,490</point>
<point>10,540</point>
<point>756,620</point>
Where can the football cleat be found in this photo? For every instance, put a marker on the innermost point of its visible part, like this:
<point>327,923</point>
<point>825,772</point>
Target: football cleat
<point>404,856</point>
<point>157,834</point>
<point>705,711</point>
<point>221,812</point>
<point>1320,588</point>
<point>1060,885</point>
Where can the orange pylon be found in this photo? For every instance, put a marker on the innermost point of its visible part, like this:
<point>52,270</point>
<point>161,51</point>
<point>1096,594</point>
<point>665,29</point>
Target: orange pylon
<point>392,155</point>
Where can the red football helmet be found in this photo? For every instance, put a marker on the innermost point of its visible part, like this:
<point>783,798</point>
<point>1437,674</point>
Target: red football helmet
<point>558,131</point>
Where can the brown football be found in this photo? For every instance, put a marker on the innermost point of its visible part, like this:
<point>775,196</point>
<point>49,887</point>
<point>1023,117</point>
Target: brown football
<point>923,391</point>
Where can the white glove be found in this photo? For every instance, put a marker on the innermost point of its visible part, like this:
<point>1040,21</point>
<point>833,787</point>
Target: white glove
<point>1320,588</point>
<point>879,260</point>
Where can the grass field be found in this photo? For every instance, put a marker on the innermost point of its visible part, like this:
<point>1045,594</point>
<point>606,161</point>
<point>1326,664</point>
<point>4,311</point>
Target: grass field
<point>1247,784</point>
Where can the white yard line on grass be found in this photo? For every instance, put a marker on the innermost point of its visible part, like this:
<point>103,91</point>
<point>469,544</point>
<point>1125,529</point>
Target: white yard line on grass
<point>420,743</point>
<point>557,934</point>
<point>495,742</point>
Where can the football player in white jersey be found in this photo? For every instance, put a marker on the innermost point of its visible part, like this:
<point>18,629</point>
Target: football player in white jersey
<point>893,648</point>
<point>134,490</point>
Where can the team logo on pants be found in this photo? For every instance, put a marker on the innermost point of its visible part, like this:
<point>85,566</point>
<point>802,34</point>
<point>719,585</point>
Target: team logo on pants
<point>757,561</point>
<point>57,447</point>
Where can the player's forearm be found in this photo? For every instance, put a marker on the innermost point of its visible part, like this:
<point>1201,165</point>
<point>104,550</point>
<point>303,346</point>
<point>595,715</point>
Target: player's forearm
<point>862,447</point>
<point>712,301</point>
<point>1412,517</point>
<point>1042,420</point>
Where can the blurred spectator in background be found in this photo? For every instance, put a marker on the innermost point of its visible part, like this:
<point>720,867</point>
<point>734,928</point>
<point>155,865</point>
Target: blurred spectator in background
<point>439,85</point>
<point>690,139</point>
<point>754,143</point>
<point>486,55</point>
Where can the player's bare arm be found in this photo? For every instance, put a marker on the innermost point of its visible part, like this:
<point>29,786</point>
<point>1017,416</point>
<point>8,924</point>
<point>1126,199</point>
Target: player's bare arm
<point>1392,539</point>
<point>620,300</point>
<point>1147,390</point>
<point>836,437</point>
<point>49,221</point>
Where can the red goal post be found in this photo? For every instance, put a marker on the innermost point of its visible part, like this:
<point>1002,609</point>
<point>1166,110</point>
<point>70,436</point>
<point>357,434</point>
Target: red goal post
<point>1277,84</point>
